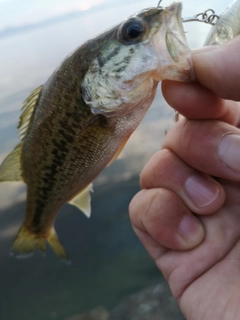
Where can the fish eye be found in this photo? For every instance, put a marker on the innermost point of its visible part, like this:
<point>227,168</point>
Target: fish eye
<point>132,31</point>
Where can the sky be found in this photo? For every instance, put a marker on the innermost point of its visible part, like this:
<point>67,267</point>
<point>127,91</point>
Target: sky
<point>16,13</point>
<point>20,12</point>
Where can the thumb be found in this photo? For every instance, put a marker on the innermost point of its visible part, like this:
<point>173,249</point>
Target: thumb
<point>218,68</point>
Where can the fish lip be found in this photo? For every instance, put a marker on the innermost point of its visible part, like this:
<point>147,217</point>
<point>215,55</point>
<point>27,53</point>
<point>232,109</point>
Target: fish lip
<point>180,65</point>
<point>175,9</point>
<point>179,19</point>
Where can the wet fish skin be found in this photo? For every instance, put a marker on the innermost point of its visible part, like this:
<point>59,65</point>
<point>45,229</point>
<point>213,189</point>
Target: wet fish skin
<point>227,26</point>
<point>78,144</point>
<point>84,114</point>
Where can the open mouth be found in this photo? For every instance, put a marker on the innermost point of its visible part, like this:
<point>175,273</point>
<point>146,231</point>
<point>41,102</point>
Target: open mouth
<point>175,62</point>
<point>173,18</point>
<point>176,41</point>
<point>179,20</point>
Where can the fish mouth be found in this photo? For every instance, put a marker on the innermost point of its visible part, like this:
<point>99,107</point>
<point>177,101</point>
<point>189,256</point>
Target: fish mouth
<point>175,60</point>
<point>173,19</point>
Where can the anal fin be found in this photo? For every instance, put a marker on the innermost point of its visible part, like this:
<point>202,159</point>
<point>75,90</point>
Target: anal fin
<point>83,201</point>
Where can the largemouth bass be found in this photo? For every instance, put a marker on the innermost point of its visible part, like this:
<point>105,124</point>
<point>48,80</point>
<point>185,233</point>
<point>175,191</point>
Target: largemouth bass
<point>79,120</point>
<point>226,27</point>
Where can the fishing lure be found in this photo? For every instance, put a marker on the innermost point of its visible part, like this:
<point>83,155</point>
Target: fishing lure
<point>224,27</point>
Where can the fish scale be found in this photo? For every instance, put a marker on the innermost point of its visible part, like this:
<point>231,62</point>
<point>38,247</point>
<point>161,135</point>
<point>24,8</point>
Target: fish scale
<point>80,119</point>
<point>72,166</point>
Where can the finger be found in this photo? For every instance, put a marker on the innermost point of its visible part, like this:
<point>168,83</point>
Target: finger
<point>212,147</point>
<point>154,212</point>
<point>218,68</point>
<point>154,248</point>
<point>197,102</point>
<point>200,193</point>
<point>221,235</point>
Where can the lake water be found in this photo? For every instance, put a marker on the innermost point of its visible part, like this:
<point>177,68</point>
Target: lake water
<point>108,261</point>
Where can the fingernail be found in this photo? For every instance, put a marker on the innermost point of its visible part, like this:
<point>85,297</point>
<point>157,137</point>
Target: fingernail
<point>201,191</point>
<point>190,228</point>
<point>229,151</point>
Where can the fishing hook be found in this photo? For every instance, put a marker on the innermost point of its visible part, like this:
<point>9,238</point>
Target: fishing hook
<point>159,3</point>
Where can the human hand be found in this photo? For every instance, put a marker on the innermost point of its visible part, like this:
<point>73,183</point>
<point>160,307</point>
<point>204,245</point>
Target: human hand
<point>187,214</point>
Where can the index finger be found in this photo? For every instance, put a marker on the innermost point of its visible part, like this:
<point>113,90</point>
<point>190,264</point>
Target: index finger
<point>197,102</point>
<point>218,68</point>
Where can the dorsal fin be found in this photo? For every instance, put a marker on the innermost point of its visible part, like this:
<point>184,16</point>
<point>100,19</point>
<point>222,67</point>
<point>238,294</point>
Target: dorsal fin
<point>28,107</point>
<point>10,169</point>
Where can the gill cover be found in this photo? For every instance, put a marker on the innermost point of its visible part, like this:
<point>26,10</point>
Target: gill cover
<point>118,78</point>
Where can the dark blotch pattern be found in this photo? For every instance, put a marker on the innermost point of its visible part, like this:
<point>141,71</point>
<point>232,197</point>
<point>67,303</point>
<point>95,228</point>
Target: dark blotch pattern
<point>66,142</point>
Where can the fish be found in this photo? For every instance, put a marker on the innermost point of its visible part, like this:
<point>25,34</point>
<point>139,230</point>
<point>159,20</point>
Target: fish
<point>77,123</point>
<point>227,26</point>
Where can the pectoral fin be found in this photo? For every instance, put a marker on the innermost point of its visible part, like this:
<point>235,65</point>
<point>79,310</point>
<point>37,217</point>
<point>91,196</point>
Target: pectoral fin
<point>83,201</point>
<point>10,169</point>
<point>119,150</point>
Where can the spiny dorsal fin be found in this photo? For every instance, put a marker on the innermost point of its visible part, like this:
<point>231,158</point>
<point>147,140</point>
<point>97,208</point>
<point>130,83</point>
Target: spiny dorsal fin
<point>83,200</point>
<point>28,107</point>
<point>10,169</point>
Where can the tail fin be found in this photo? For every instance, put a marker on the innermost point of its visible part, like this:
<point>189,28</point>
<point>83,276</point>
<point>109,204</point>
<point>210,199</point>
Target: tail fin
<point>26,243</point>
<point>56,245</point>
